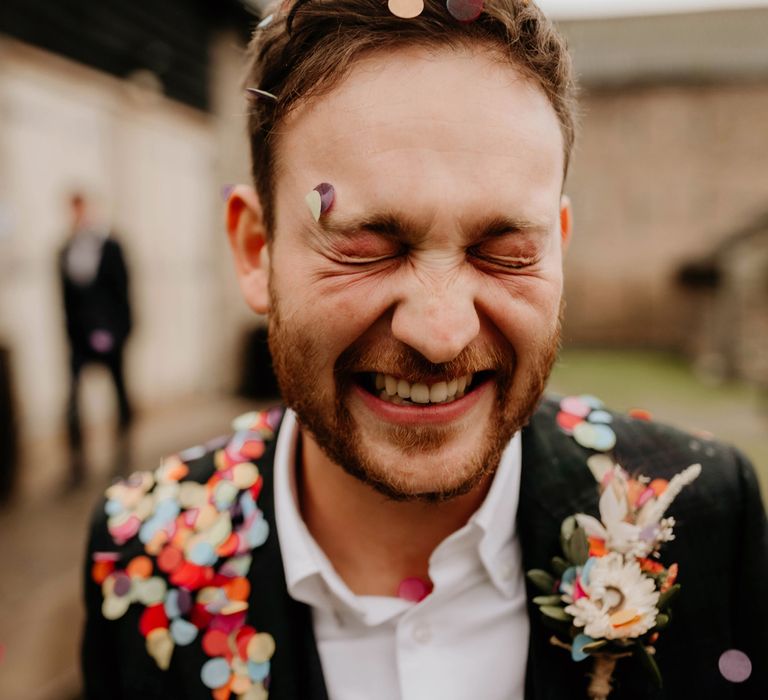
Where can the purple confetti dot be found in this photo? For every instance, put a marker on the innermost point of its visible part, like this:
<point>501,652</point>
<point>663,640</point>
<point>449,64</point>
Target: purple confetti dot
<point>327,194</point>
<point>465,10</point>
<point>735,666</point>
<point>122,585</point>
<point>226,190</point>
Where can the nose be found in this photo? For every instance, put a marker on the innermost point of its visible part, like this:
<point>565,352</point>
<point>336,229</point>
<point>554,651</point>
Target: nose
<point>438,321</point>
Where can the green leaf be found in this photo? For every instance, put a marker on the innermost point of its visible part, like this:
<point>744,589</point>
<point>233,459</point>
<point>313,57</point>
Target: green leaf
<point>594,646</point>
<point>542,580</point>
<point>662,621</point>
<point>559,565</point>
<point>556,613</point>
<point>649,663</point>
<point>577,548</point>
<point>666,597</point>
<point>547,600</point>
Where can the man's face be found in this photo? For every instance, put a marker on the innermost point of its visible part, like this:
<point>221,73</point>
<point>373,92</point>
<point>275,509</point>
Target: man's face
<point>437,272</point>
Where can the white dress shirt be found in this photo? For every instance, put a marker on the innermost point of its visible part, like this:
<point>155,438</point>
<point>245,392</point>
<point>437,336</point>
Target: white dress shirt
<point>467,639</point>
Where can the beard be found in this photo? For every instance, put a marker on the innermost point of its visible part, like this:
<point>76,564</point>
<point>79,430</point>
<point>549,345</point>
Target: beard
<point>298,364</point>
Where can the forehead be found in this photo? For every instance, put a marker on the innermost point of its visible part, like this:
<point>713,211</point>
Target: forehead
<point>415,126</point>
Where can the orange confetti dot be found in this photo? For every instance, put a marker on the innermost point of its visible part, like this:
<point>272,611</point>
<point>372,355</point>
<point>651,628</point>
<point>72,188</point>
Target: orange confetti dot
<point>224,692</point>
<point>640,414</point>
<point>228,547</point>
<point>659,486</point>
<point>177,472</point>
<point>238,588</point>
<point>102,569</point>
<point>596,547</point>
<point>671,578</point>
<point>139,567</point>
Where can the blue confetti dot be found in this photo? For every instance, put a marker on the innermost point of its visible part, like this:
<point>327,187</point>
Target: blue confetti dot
<point>258,533</point>
<point>215,673</point>
<point>203,554</point>
<point>577,648</point>
<point>600,417</point>
<point>167,510</point>
<point>172,609</point>
<point>258,672</point>
<point>113,507</point>
<point>183,632</point>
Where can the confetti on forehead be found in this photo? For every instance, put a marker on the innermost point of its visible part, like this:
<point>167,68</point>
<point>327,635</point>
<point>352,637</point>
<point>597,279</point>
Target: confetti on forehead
<point>320,200</point>
<point>465,10</point>
<point>406,9</point>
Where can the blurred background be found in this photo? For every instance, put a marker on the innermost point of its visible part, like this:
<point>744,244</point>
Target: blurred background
<point>137,107</point>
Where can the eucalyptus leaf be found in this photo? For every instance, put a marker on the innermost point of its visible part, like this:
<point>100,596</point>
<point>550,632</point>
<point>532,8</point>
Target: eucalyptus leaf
<point>568,526</point>
<point>666,597</point>
<point>547,600</point>
<point>542,580</point>
<point>556,613</point>
<point>662,621</point>
<point>559,565</point>
<point>649,663</point>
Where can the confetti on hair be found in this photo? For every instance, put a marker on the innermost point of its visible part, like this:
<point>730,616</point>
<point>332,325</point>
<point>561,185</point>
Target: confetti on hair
<point>265,22</point>
<point>261,94</point>
<point>465,10</point>
<point>406,9</point>
<point>320,200</point>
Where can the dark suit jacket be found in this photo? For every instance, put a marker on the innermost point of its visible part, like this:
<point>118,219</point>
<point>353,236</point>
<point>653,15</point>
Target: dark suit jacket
<point>721,546</point>
<point>103,304</point>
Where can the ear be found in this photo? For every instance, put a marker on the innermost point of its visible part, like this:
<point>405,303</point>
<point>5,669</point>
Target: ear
<point>247,238</point>
<point>566,221</point>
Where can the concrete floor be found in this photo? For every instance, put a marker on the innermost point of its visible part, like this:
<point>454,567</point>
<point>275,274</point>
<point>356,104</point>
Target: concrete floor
<point>42,541</point>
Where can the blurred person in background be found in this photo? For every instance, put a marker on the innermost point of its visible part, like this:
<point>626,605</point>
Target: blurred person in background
<point>94,284</point>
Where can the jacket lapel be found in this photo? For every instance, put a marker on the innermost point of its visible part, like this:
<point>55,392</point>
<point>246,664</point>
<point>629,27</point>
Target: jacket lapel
<point>296,672</point>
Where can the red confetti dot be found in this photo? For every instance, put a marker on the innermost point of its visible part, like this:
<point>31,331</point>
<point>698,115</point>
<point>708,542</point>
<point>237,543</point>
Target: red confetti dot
<point>152,618</point>
<point>244,635</point>
<point>215,643</point>
<point>252,449</point>
<point>200,617</point>
<point>170,559</point>
<point>568,421</point>
<point>640,414</point>
<point>256,489</point>
<point>102,569</point>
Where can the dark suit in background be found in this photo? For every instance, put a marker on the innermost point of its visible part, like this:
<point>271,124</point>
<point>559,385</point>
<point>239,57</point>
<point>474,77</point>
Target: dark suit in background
<point>94,281</point>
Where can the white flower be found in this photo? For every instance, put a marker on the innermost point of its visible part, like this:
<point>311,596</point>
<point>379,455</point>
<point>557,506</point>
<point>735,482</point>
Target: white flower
<point>621,600</point>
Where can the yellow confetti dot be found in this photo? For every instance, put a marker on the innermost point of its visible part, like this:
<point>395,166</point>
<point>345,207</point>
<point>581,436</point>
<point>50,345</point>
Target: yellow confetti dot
<point>261,647</point>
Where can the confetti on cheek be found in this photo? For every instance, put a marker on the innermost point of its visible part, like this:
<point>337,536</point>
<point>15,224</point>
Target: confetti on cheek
<point>320,200</point>
<point>465,10</point>
<point>406,9</point>
<point>735,666</point>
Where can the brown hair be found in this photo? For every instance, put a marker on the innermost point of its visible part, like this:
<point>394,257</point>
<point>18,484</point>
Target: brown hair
<point>306,51</point>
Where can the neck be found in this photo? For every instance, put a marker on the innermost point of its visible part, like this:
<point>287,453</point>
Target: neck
<point>373,542</point>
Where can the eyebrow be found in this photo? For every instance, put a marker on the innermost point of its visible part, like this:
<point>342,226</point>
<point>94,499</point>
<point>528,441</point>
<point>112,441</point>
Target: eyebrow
<point>397,226</point>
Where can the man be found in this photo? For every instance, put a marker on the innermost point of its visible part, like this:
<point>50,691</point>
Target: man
<point>405,236</point>
<point>94,282</point>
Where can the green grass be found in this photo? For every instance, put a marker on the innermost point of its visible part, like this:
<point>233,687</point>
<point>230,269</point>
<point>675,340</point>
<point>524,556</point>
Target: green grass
<point>665,385</point>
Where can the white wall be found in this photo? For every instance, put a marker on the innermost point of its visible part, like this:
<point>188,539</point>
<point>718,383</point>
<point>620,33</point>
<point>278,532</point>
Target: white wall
<point>155,167</point>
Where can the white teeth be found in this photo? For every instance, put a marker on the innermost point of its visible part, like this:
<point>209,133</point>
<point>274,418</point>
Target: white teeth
<point>420,393</point>
<point>438,392</point>
<point>400,391</point>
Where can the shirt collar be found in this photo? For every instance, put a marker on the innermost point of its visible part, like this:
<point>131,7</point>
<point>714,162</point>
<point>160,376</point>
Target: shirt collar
<point>310,576</point>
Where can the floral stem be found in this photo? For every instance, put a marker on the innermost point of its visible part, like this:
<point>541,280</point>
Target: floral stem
<point>602,675</point>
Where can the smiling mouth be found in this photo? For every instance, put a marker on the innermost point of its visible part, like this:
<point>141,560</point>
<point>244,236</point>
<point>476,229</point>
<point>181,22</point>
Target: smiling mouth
<point>401,392</point>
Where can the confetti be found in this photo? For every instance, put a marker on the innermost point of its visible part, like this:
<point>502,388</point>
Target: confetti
<point>465,10</point>
<point>320,200</point>
<point>406,9</point>
<point>735,666</point>
<point>261,94</point>
<point>414,589</point>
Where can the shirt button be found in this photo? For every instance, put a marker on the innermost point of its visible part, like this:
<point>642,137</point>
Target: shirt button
<point>422,634</point>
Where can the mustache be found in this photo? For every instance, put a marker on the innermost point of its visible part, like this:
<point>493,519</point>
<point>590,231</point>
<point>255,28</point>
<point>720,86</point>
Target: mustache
<point>395,358</point>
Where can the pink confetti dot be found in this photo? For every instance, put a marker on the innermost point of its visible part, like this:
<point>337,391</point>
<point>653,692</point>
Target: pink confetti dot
<point>735,666</point>
<point>414,589</point>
